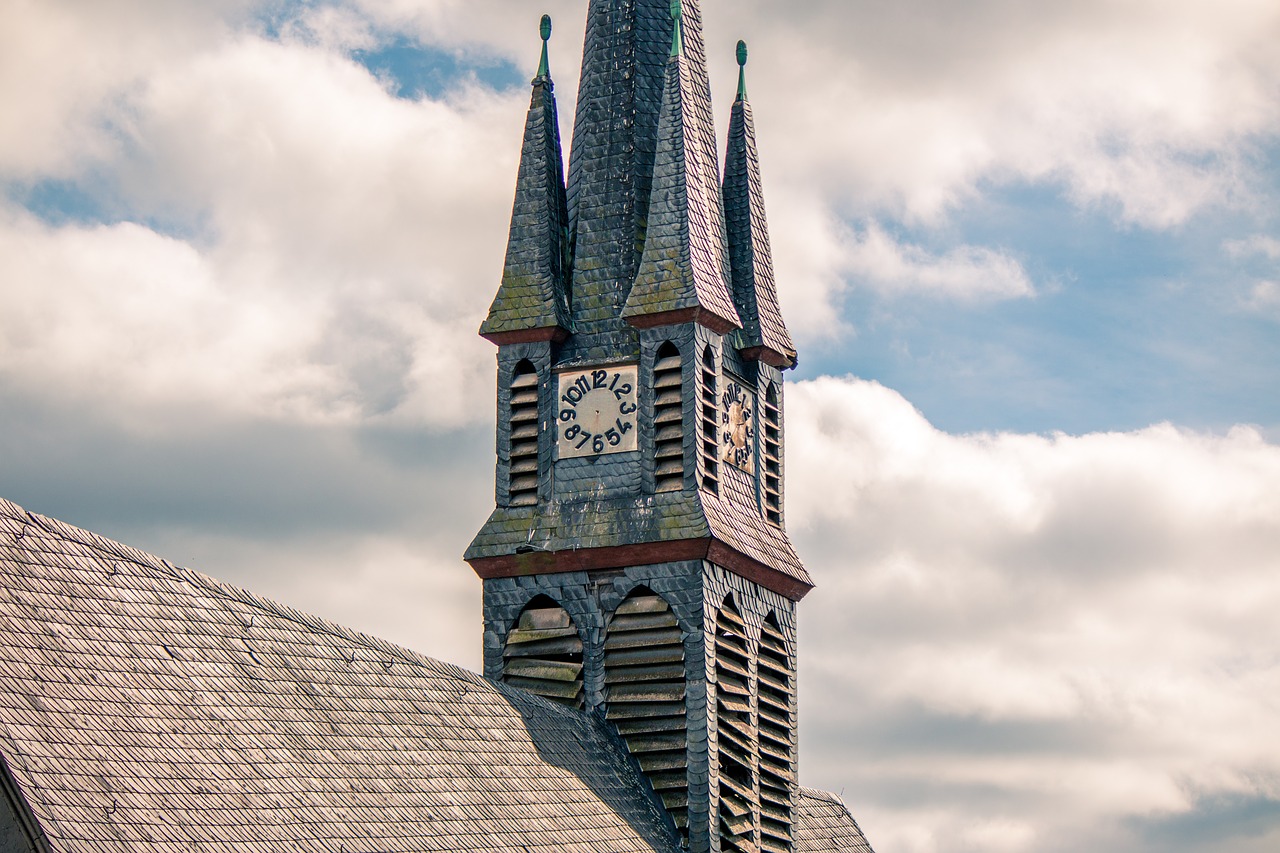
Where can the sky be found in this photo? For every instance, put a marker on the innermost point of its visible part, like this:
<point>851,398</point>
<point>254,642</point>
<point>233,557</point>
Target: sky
<point>1030,254</point>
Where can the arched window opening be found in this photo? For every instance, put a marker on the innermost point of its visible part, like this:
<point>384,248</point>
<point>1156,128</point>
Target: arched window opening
<point>644,677</point>
<point>710,425</point>
<point>523,422</point>
<point>772,462</point>
<point>735,734</point>
<point>668,420</point>
<point>777,739</point>
<point>543,653</point>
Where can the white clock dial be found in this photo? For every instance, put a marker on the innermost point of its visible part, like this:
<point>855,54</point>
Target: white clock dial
<point>597,411</point>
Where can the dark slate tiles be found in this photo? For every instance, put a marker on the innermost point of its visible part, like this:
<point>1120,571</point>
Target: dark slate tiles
<point>611,163</point>
<point>684,264</point>
<point>824,825</point>
<point>145,707</point>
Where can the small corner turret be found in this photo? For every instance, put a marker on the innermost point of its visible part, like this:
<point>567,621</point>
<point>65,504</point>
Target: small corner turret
<point>532,303</point>
<point>637,562</point>
<point>764,335</point>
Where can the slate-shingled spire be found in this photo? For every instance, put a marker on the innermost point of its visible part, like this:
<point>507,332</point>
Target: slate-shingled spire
<point>532,303</point>
<point>684,271</point>
<point>611,165</point>
<point>764,335</point>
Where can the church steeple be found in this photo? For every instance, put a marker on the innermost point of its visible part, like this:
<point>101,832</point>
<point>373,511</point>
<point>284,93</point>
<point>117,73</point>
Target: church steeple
<point>636,562</point>
<point>684,270</point>
<point>764,335</point>
<point>532,301</point>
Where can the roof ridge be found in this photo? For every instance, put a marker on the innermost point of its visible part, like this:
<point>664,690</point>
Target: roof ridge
<point>231,592</point>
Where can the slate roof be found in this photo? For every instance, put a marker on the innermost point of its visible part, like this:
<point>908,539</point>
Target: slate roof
<point>146,707</point>
<point>685,263</point>
<point>754,290</point>
<point>823,823</point>
<point>532,296</point>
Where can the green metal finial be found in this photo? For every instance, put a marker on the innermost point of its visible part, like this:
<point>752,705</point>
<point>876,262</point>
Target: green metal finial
<point>544,67</point>
<point>677,38</point>
<point>742,70</point>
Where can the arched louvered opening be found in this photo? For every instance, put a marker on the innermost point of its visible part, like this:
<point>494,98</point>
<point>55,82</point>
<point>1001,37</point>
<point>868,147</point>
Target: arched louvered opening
<point>668,420</point>
<point>524,435</point>
<point>645,690</point>
<point>544,653</point>
<point>777,734</point>
<point>772,461</point>
<point>735,734</point>
<point>710,423</point>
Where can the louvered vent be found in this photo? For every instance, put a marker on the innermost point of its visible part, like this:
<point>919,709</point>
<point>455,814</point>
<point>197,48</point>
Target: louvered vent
<point>709,423</point>
<point>668,420</point>
<point>777,775</point>
<point>524,436</point>
<point>544,653</point>
<point>735,735</point>
<point>772,457</point>
<point>645,690</point>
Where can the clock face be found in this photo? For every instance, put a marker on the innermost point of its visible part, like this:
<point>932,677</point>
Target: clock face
<point>737,426</point>
<point>597,411</point>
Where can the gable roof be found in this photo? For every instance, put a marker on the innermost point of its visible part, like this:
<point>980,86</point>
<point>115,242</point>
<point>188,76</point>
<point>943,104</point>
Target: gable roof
<point>147,707</point>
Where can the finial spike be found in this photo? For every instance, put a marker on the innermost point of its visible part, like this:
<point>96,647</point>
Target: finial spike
<point>544,66</point>
<point>742,70</point>
<point>677,37</point>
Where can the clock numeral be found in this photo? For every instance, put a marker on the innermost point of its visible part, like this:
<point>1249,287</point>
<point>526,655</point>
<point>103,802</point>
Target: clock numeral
<point>598,377</point>
<point>614,383</point>
<point>572,432</point>
<point>586,436</point>
<point>627,408</point>
<point>623,391</point>
<point>597,443</point>
<point>613,436</point>
<point>625,427</point>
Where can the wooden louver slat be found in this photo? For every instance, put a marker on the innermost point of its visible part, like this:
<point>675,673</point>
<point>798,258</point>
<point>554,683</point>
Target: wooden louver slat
<point>709,424</point>
<point>543,653</point>
<point>523,485</point>
<point>772,473</point>
<point>776,744</point>
<point>735,732</point>
<point>645,692</point>
<point>668,420</point>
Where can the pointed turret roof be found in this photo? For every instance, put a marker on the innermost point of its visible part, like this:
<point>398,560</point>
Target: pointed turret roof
<point>611,164</point>
<point>684,270</point>
<point>764,335</point>
<point>532,301</point>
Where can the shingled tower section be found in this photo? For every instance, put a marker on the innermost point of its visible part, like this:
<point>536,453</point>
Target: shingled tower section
<point>764,335</point>
<point>636,562</point>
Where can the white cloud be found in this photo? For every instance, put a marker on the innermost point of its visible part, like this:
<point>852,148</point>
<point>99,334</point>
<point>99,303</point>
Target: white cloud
<point>876,260</point>
<point>1257,245</point>
<point>1147,108</point>
<point>343,246</point>
<point>1097,610</point>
